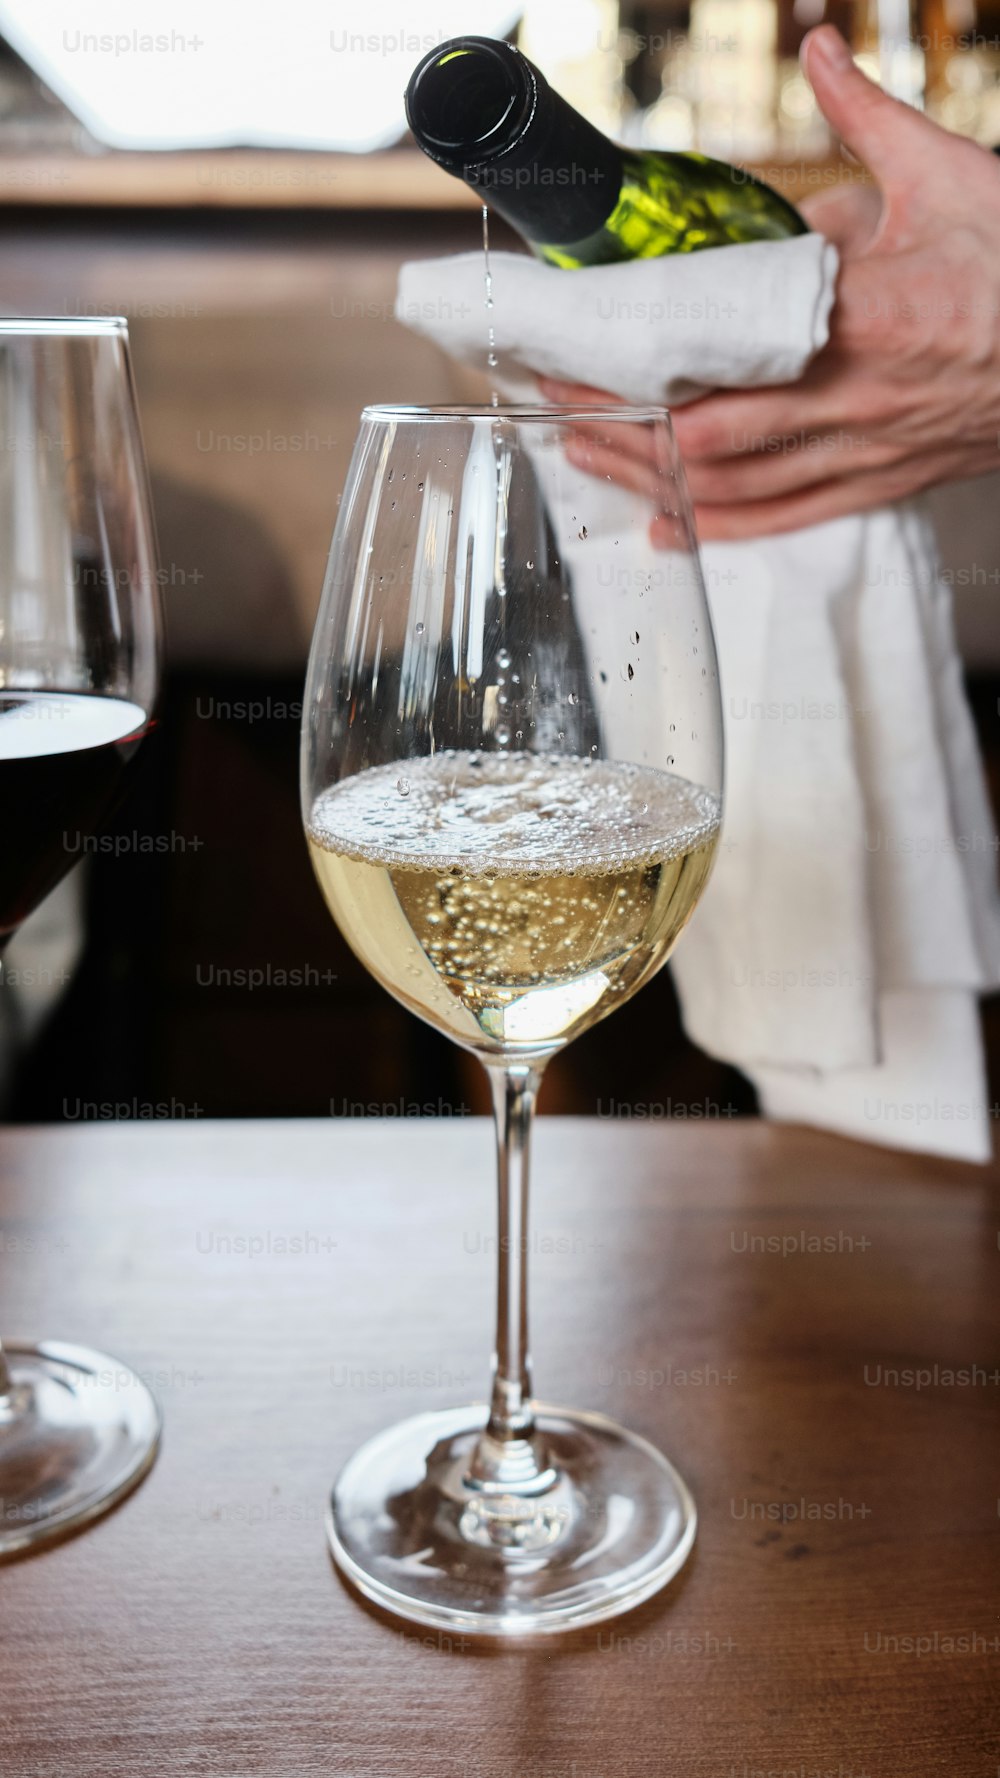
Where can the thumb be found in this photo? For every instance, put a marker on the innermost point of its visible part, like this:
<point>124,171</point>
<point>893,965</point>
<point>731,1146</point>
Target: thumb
<point>848,214</point>
<point>882,132</point>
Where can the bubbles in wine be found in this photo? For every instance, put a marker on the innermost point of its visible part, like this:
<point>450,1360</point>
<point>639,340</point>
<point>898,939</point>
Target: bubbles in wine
<point>516,812</point>
<point>513,899</point>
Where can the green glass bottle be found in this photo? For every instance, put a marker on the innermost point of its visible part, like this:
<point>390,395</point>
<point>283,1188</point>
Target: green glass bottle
<point>485,113</point>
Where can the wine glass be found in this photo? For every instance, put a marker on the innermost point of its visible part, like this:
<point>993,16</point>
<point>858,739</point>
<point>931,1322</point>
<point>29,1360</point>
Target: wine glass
<point>511,784</point>
<point>79,651</point>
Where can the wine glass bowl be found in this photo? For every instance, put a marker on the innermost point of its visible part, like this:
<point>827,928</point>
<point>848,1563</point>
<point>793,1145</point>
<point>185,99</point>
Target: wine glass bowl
<point>79,663</point>
<point>79,612</point>
<point>511,782</point>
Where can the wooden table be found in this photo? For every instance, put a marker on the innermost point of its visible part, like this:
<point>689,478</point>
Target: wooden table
<point>763,1303</point>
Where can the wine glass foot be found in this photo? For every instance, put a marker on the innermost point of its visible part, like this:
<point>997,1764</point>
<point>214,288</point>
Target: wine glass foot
<point>414,1533</point>
<point>78,1430</point>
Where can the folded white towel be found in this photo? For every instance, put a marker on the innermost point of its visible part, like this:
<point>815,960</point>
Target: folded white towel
<point>853,915</point>
<point>656,330</point>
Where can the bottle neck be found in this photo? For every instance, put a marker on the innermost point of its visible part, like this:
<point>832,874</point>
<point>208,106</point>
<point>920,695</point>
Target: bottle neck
<point>487,115</point>
<point>559,182</point>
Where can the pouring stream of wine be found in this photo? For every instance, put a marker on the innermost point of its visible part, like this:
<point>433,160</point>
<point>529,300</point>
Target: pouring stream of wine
<point>491,339</point>
<point>498,447</point>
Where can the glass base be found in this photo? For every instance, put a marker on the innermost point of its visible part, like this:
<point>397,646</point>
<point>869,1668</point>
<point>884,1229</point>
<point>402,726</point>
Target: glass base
<point>605,1523</point>
<point>78,1430</point>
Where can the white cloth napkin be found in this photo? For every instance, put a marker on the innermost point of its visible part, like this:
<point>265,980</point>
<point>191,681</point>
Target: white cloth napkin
<point>656,330</point>
<point>852,917</point>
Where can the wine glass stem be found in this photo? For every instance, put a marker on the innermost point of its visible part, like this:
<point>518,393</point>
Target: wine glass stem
<point>6,1381</point>
<point>515,1088</point>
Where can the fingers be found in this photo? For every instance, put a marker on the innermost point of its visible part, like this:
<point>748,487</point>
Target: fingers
<point>791,512</point>
<point>787,465</point>
<point>847,214</point>
<point>747,447</point>
<point>793,465</point>
<point>895,142</point>
<point>577,394</point>
<point>828,500</point>
<point>722,426</point>
<point>615,466</point>
<point>757,496</point>
<point>734,423</point>
<point>640,442</point>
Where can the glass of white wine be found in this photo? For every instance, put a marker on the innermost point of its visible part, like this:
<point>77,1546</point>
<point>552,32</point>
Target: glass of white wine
<point>511,782</point>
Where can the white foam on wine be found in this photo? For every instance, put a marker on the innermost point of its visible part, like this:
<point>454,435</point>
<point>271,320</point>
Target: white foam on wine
<point>34,725</point>
<point>497,814</point>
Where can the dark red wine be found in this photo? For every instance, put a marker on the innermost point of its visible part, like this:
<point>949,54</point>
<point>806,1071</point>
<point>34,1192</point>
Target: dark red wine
<point>62,756</point>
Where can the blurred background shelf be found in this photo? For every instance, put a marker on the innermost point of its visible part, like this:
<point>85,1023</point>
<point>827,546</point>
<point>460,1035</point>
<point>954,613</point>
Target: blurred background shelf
<point>231,179</point>
<point>255,179</point>
<point>718,76</point>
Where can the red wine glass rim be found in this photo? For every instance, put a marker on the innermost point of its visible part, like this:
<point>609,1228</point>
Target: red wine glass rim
<point>71,325</point>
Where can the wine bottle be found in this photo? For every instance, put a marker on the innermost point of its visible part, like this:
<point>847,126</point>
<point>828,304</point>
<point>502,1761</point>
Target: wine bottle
<point>482,111</point>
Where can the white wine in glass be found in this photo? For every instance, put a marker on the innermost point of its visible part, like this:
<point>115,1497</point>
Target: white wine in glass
<point>512,774</point>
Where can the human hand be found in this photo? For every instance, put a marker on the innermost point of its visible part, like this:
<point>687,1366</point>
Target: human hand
<point>907,391</point>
